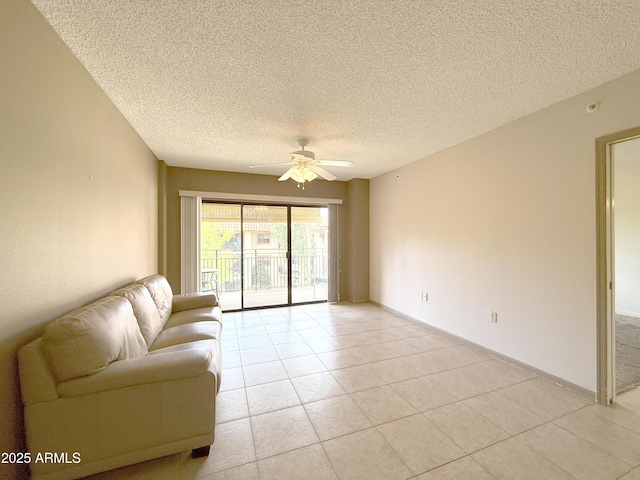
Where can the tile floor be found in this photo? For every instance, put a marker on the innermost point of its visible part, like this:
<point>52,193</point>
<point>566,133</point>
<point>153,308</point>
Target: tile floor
<point>355,392</point>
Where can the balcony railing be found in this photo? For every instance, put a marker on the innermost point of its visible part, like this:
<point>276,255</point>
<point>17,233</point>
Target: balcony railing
<point>263,269</point>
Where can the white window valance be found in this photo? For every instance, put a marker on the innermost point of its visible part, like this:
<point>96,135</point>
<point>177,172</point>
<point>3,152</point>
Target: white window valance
<point>242,197</point>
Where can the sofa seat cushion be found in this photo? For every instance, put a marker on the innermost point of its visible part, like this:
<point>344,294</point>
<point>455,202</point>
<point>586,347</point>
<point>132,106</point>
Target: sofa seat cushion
<point>204,314</point>
<point>148,369</point>
<point>189,332</point>
<point>206,344</point>
<point>144,309</point>
<point>210,345</point>
<point>86,340</point>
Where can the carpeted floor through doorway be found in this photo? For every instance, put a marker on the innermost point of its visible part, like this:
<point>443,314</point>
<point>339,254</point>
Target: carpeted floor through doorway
<point>627,352</point>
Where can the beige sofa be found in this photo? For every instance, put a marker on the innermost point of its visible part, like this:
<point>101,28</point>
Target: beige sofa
<point>129,377</point>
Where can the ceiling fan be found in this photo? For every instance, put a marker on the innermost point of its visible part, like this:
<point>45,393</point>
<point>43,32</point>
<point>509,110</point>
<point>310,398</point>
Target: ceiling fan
<point>305,167</point>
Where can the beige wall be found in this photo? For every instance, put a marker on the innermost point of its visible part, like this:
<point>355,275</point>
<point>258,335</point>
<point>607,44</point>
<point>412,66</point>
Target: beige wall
<point>504,222</point>
<point>354,272</point>
<point>78,190</point>
<point>354,246</point>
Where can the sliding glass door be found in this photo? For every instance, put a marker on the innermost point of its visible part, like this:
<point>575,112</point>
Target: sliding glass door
<point>309,254</point>
<point>264,255</point>
<point>221,252</point>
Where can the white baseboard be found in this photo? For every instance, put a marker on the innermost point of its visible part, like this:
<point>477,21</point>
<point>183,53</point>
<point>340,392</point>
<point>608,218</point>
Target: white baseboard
<point>350,300</point>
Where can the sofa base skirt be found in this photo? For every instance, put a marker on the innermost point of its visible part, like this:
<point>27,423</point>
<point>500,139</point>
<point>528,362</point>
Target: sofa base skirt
<point>82,470</point>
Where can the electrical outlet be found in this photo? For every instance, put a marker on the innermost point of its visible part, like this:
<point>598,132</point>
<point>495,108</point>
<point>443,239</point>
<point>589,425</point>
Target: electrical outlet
<point>494,317</point>
<point>425,296</point>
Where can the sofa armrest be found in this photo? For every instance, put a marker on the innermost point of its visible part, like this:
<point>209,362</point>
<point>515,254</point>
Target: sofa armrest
<point>189,301</point>
<point>37,383</point>
<point>161,367</point>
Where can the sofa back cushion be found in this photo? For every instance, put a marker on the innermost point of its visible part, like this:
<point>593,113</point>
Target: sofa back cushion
<point>145,310</point>
<point>161,293</point>
<point>86,340</point>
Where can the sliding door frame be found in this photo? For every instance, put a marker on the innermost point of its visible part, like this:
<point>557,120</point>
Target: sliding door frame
<point>289,206</point>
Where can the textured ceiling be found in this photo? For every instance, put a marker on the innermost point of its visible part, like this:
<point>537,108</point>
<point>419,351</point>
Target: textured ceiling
<point>225,84</point>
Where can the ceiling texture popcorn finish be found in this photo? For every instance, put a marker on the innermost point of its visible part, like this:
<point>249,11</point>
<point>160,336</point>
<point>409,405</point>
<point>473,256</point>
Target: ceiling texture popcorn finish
<point>223,85</point>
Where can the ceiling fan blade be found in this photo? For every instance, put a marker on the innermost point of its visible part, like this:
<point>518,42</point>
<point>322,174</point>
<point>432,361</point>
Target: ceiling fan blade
<point>337,163</point>
<point>287,174</point>
<point>323,173</point>
<point>270,164</point>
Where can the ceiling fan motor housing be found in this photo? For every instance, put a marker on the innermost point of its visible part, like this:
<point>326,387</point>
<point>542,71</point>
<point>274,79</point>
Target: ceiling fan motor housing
<point>304,153</point>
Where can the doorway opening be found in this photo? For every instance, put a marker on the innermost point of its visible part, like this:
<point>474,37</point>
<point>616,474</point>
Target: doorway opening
<point>260,255</point>
<point>618,262</point>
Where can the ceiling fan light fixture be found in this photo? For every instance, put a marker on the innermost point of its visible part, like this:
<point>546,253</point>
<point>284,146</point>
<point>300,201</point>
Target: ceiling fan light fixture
<point>308,173</point>
<point>303,173</point>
